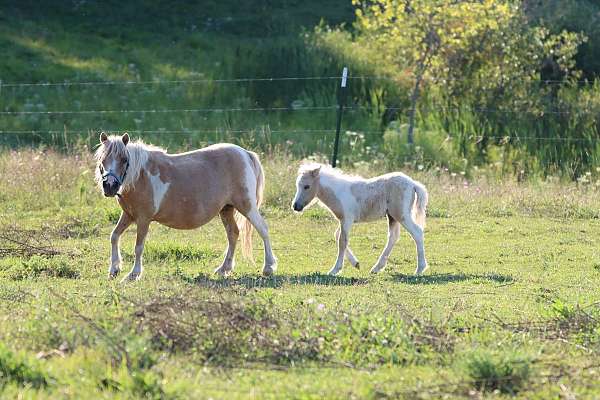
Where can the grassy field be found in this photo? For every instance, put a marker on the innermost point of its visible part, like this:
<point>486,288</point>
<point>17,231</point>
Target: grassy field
<point>508,308</point>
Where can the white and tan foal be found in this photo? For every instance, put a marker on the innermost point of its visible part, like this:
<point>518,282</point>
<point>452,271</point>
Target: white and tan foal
<point>354,199</point>
<point>183,191</point>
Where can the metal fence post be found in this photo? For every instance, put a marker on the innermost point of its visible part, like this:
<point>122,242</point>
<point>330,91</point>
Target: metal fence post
<point>340,110</point>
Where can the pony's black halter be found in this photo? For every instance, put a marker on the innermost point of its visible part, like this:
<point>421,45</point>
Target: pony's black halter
<point>120,179</point>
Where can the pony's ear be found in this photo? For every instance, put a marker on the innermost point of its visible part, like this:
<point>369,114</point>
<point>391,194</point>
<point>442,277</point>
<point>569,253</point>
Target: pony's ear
<point>315,172</point>
<point>125,138</point>
<point>103,137</point>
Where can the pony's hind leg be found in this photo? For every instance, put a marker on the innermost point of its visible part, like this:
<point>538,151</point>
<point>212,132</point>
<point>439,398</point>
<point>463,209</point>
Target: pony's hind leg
<point>115,259</point>
<point>349,254</point>
<point>393,235</point>
<point>227,215</point>
<point>142,232</point>
<point>261,227</point>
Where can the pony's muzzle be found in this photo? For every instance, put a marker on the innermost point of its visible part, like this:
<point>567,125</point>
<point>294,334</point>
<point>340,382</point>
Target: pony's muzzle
<point>110,189</point>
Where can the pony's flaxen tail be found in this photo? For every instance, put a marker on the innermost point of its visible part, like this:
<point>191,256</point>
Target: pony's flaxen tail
<point>244,224</point>
<point>420,204</point>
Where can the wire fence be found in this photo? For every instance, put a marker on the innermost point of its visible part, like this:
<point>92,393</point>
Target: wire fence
<point>274,79</point>
<point>536,111</point>
<point>72,124</point>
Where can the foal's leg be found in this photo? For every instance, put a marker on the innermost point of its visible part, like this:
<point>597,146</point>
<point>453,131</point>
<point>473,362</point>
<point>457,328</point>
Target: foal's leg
<point>393,235</point>
<point>142,231</point>
<point>115,259</point>
<point>418,236</point>
<point>342,245</point>
<point>261,227</point>
<point>349,255</point>
<point>228,218</point>
<point>415,231</point>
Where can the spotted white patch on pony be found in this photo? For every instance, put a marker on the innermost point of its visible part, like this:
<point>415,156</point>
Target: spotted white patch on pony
<point>159,190</point>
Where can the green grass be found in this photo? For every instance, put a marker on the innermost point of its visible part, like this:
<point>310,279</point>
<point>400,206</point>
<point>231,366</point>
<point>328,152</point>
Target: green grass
<point>508,307</point>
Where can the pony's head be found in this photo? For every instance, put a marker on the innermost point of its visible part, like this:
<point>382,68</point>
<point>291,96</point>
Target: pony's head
<point>307,186</point>
<point>113,163</point>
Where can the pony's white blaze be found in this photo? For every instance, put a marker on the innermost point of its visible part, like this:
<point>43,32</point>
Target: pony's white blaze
<point>185,191</point>
<point>354,199</point>
<point>159,190</point>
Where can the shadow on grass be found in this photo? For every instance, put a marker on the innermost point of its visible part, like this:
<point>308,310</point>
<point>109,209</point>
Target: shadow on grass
<point>438,279</point>
<point>277,281</point>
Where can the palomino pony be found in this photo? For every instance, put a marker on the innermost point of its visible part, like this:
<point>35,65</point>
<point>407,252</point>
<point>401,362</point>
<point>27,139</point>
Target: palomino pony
<point>183,191</point>
<point>354,199</point>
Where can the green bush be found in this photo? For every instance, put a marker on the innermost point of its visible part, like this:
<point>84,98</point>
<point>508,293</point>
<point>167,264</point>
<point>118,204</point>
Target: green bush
<point>41,266</point>
<point>505,372</point>
<point>20,370</point>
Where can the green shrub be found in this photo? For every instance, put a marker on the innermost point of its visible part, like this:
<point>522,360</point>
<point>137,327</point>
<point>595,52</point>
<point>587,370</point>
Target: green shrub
<point>38,266</point>
<point>20,370</point>
<point>507,373</point>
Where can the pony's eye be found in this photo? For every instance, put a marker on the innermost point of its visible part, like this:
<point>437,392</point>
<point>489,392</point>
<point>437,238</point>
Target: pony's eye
<point>306,187</point>
<point>101,168</point>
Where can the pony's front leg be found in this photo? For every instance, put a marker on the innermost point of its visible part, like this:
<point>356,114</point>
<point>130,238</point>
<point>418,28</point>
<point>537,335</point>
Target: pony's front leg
<point>342,245</point>
<point>115,258</point>
<point>142,231</point>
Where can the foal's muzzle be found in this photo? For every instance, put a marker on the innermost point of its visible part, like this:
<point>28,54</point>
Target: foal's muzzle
<point>297,207</point>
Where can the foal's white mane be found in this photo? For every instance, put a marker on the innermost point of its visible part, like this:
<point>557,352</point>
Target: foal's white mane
<point>137,152</point>
<point>328,171</point>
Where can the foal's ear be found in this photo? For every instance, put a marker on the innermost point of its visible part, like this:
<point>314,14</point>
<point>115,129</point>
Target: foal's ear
<point>315,172</point>
<point>125,138</point>
<point>103,137</point>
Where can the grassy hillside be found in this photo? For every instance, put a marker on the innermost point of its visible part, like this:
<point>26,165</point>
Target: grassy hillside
<point>161,41</point>
<point>202,42</point>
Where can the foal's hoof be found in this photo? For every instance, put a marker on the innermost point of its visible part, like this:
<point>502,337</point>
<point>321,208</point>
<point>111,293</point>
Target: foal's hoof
<point>421,269</point>
<point>131,277</point>
<point>268,270</point>
<point>376,269</point>
<point>356,265</point>
<point>334,271</point>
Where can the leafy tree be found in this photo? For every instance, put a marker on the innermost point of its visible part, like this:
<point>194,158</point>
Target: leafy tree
<point>481,49</point>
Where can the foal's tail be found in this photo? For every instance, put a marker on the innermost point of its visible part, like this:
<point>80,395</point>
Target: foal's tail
<point>243,223</point>
<point>420,204</point>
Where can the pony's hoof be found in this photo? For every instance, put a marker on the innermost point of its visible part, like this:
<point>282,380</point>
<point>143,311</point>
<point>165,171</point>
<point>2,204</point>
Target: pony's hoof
<point>112,274</point>
<point>334,271</point>
<point>224,272</point>
<point>131,277</point>
<point>356,265</point>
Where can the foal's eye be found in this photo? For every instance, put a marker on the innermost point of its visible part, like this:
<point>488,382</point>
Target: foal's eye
<point>101,168</point>
<point>306,187</point>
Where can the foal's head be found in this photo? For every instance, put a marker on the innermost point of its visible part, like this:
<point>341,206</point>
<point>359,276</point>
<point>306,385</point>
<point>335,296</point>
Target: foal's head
<point>113,163</point>
<point>307,186</point>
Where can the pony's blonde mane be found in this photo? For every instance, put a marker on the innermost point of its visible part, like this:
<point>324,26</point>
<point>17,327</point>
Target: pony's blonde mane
<point>137,152</point>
